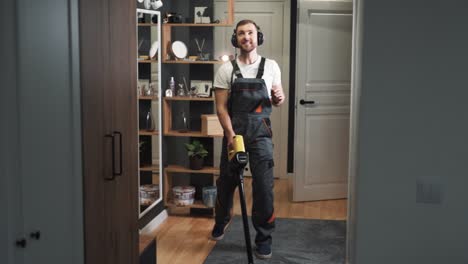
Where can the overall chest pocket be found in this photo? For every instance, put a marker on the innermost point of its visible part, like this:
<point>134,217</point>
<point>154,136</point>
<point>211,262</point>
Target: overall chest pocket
<point>247,95</point>
<point>245,100</point>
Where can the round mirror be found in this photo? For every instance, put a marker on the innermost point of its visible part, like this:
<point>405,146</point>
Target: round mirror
<point>179,49</point>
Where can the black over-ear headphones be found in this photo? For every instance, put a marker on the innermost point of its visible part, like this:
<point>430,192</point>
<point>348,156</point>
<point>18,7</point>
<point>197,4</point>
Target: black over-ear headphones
<point>259,36</point>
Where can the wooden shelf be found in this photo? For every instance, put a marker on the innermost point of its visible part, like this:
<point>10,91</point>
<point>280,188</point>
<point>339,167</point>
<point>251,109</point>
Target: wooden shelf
<point>148,133</point>
<point>181,169</point>
<point>197,25</point>
<point>143,97</point>
<point>147,61</point>
<point>153,167</point>
<point>186,98</point>
<point>191,62</point>
<point>196,204</point>
<point>148,24</point>
<point>175,133</point>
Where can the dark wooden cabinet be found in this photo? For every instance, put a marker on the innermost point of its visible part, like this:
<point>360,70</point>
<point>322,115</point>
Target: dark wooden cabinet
<point>109,130</point>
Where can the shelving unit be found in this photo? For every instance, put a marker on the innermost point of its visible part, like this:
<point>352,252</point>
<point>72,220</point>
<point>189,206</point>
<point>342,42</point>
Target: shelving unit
<point>201,106</point>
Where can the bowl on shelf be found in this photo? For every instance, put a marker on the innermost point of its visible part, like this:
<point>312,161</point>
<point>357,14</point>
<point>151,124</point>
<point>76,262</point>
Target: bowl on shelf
<point>149,193</point>
<point>183,195</point>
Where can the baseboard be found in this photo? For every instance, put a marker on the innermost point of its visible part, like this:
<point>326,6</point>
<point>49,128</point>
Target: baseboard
<point>151,226</point>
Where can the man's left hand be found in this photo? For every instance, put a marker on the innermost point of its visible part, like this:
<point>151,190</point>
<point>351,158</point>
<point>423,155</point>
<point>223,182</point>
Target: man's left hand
<point>277,95</point>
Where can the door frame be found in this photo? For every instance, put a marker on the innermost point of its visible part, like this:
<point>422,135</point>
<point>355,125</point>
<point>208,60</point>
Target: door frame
<point>353,159</point>
<point>353,170</point>
<point>304,185</point>
<point>281,146</point>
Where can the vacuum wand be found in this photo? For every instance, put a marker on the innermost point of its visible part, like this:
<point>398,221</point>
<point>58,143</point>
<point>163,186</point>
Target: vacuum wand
<point>239,159</point>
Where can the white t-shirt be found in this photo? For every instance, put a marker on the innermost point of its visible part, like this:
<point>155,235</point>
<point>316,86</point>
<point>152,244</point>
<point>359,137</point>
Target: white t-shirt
<point>271,73</point>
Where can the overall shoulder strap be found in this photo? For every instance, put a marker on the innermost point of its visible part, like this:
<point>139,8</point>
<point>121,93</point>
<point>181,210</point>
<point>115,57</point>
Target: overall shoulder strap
<point>235,69</point>
<point>261,68</point>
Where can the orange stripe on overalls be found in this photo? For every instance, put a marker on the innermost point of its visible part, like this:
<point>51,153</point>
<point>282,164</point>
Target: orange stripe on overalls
<point>272,218</point>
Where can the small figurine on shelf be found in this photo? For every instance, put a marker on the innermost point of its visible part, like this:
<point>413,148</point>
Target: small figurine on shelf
<point>181,90</point>
<point>141,17</point>
<point>201,15</point>
<point>154,88</point>
<point>147,90</point>
<point>139,90</point>
<point>168,92</point>
<point>193,91</point>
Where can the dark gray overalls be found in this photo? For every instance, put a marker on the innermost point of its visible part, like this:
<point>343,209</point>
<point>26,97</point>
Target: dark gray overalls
<point>249,108</point>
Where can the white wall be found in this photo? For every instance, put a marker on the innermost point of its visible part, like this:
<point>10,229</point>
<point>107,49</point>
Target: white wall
<point>413,124</point>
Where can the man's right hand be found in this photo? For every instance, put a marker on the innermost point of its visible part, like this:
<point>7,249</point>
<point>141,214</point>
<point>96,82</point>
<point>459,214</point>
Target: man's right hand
<point>229,138</point>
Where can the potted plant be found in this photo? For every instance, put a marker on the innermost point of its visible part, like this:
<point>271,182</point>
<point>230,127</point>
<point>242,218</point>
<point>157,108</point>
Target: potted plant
<point>196,153</point>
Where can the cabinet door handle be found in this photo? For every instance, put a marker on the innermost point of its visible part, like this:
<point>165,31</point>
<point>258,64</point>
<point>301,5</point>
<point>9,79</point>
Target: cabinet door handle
<point>119,173</point>
<point>21,243</point>
<point>112,156</point>
<point>35,235</point>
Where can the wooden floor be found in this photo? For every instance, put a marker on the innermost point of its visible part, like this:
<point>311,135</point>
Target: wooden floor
<point>183,239</point>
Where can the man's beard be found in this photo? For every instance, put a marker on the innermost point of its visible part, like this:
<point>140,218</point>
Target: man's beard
<point>247,49</point>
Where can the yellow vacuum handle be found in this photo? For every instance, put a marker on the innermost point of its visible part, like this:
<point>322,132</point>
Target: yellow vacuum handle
<point>236,147</point>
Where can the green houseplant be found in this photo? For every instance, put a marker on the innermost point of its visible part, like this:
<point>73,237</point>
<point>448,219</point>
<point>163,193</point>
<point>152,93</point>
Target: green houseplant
<point>196,152</point>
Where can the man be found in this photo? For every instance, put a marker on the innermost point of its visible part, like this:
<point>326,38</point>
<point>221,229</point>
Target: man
<point>245,90</point>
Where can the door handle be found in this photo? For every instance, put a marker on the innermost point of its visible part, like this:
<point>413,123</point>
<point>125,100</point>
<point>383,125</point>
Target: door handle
<point>303,102</point>
<point>112,156</point>
<point>35,235</point>
<point>21,243</point>
<point>119,173</point>
<point>114,172</point>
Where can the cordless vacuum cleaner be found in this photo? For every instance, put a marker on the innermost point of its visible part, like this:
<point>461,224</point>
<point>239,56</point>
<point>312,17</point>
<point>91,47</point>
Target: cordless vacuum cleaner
<point>239,159</point>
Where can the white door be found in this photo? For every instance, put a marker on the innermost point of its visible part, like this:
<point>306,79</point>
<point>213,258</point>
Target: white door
<point>323,81</point>
<point>269,16</point>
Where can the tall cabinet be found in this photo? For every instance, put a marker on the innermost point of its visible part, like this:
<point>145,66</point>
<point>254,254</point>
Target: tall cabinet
<point>109,127</point>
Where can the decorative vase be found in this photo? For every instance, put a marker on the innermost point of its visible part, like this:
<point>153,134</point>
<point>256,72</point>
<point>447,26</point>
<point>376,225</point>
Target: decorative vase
<point>150,126</point>
<point>196,162</point>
